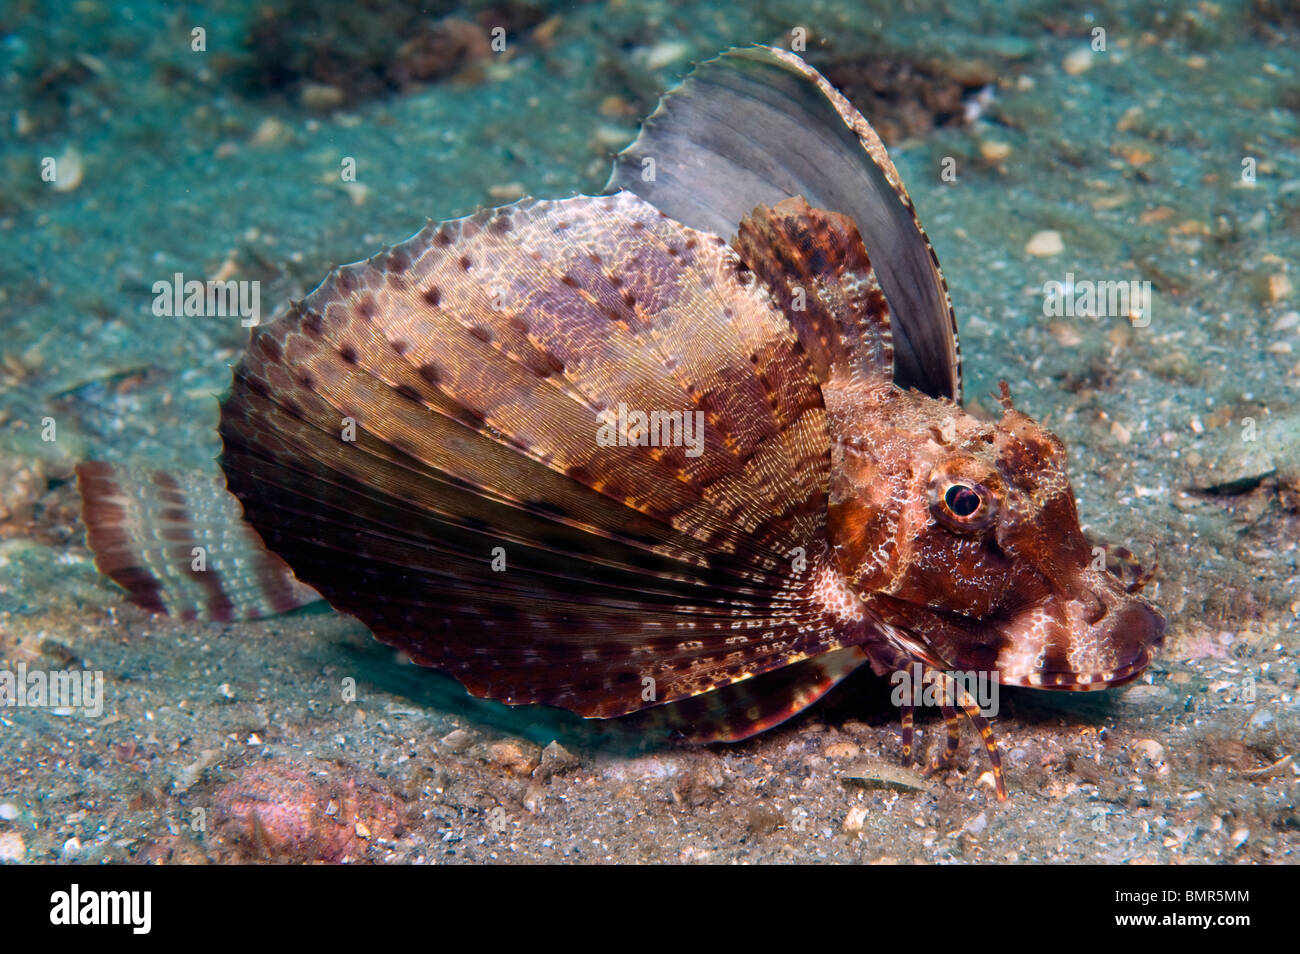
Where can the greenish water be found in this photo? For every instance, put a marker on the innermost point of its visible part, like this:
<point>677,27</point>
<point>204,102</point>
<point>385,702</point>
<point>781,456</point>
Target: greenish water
<point>1171,156</point>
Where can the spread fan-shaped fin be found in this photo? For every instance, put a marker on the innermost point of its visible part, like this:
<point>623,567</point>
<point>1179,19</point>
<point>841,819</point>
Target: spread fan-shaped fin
<point>445,441</point>
<point>758,125</point>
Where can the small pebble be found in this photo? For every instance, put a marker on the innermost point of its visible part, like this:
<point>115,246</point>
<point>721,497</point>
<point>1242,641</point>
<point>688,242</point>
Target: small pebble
<point>616,107</point>
<point>1045,244</point>
<point>269,132</point>
<point>456,741</point>
<point>8,811</point>
<point>68,170</point>
<point>856,819</point>
<point>533,798</point>
<point>555,759</point>
<point>606,136</point>
<point>512,757</point>
<point>507,191</point>
<point>1131,120</point>
<point>842,750</point>
<point>12,848</point>
<point>1134,155</point>
<point>1287,321</point>
<point>1279,287</point>
<point>1078,61</point>
<point>357,192</point>
<point>320,97</point>
<point>662,54</point>
<point>1149,749</point>
<point>994,151</point>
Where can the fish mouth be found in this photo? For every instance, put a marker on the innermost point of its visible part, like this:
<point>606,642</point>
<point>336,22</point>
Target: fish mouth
<point>1098,638</point>
<point>1083,681</point>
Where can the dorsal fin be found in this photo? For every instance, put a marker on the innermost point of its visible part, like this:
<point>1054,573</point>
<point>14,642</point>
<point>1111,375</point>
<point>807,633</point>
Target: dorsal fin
<point>758,125</point>
<point>816,270</point>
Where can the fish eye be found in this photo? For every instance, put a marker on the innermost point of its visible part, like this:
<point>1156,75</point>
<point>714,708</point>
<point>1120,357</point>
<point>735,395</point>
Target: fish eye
<point>962,500</point>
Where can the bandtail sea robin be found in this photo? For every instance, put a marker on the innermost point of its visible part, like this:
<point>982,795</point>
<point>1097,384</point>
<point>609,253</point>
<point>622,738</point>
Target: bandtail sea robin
<point>793,490</point>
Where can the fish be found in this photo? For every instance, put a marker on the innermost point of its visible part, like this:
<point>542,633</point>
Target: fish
<point>689,451</point>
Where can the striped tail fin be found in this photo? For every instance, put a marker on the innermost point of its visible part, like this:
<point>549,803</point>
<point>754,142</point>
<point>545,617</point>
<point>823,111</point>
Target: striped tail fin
<point>180,546</point>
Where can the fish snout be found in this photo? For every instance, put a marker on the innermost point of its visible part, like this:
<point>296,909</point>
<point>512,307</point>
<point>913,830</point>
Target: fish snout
<point>1096,637</point>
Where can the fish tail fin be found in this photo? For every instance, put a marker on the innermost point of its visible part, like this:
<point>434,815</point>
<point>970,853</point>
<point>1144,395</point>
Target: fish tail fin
<point>179,545</point>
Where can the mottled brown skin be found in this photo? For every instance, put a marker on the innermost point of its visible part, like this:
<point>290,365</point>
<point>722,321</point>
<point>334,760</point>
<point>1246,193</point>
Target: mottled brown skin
<point>1011,587</point>
<point>955,540</point>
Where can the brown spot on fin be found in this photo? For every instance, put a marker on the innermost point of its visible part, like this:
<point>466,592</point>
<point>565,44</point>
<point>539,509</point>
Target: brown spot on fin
<point>816,269</point>
<point>623,560</point>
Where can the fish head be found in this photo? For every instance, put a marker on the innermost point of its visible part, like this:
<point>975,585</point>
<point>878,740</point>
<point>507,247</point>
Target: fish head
<point>963,539</point>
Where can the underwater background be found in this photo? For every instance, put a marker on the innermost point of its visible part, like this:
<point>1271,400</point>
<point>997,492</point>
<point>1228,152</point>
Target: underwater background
<point>215,140</point>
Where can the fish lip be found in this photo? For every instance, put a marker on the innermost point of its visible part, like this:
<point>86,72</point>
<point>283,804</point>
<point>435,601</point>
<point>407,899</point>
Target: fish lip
<point>1136,625</point>
<point>1084,682</point>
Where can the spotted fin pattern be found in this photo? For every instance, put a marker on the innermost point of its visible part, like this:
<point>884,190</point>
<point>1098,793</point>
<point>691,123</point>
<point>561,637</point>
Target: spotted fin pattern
<point>815,267</point>
<point>457,401</point>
